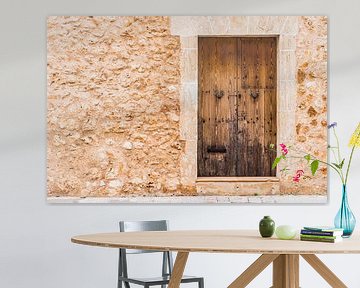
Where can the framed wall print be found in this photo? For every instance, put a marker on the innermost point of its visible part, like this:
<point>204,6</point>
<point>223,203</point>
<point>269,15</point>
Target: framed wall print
<point>185,109</point>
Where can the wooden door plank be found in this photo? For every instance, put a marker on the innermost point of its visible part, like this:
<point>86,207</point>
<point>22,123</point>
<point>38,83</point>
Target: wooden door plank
<point>271,63</point>
<point>253,270</point>
<point>270,130</point>
<point>249,138</point>
<point>178,270</point>
<point>270,114</point>
<point>242,133</point>
<point>324,271</point>
<point>203,94</point>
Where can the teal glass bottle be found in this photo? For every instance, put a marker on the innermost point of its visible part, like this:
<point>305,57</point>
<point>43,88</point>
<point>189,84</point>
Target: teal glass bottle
<point>266,227</point>
<point>345,219</point>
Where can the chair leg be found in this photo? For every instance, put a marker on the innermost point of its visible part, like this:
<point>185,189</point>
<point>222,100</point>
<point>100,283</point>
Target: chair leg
<point>201,283</point>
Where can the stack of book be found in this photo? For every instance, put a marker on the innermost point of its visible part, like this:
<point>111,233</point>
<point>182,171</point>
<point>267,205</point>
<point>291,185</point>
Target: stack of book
<point>321,234</point>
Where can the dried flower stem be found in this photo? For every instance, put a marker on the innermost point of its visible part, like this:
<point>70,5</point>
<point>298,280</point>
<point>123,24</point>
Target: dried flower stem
<point>350,159</point>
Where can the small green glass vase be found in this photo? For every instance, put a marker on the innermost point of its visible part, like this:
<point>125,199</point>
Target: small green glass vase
<point>266,227</point>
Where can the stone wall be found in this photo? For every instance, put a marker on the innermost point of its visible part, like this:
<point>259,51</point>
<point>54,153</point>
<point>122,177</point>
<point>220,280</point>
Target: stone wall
<point>311,103</point>
<point>122,103</point>
<point>113,107</point>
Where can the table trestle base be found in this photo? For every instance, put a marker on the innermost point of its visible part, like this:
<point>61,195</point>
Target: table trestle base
<point>286,271</point>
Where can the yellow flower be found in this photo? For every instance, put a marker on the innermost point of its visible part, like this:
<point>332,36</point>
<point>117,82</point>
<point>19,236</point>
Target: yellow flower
<point>355,138</point>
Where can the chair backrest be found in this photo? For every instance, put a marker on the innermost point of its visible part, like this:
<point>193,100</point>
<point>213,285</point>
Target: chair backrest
<point>137,226</point>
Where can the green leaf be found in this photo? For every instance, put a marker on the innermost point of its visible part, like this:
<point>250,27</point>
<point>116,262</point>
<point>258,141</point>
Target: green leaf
<point>308,158</point>
<point>314,166</point>
<point>336,165</point>
<point>276,162</point>
<point>342,163</point>
<point>272,146</point>
<point>284,171</point>
<point>339,166</point>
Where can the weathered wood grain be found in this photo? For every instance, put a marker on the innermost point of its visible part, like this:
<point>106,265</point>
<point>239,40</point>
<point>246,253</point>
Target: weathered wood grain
<point>217,102</point>
<point>237,106</point>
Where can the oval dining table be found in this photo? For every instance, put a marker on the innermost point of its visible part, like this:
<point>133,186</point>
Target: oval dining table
<point>284,254</point>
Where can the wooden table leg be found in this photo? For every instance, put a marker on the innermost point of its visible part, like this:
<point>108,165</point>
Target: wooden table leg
<point>178,269</point>
<point>324,271</point>
<point>286,271</point>
<point>253,270</point>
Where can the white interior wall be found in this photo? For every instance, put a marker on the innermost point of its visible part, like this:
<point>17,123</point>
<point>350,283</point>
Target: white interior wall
<point>35,248</point>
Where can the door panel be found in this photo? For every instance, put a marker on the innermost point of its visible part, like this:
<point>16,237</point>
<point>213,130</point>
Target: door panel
<point>257,105</point>
<point>217,99</point>
<point>237,106</point>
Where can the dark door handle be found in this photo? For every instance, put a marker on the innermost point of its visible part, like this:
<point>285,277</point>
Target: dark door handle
<point>216,149</point>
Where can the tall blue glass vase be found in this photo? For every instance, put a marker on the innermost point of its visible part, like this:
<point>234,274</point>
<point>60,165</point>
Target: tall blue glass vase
<point>345,219</point>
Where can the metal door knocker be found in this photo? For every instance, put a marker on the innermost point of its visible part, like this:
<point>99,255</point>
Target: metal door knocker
<point>218,93</point>
<point>254,95</point>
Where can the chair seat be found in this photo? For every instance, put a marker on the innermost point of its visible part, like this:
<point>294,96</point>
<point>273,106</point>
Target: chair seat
<point>158,280</point>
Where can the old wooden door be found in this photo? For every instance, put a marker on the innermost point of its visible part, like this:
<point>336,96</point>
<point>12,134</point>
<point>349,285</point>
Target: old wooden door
<point>237,106</point>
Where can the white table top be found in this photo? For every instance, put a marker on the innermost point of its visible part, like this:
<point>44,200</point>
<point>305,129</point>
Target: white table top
<point>217,241</point>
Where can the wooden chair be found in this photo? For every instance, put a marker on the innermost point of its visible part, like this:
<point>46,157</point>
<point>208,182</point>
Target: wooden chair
<point>167,262</point>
